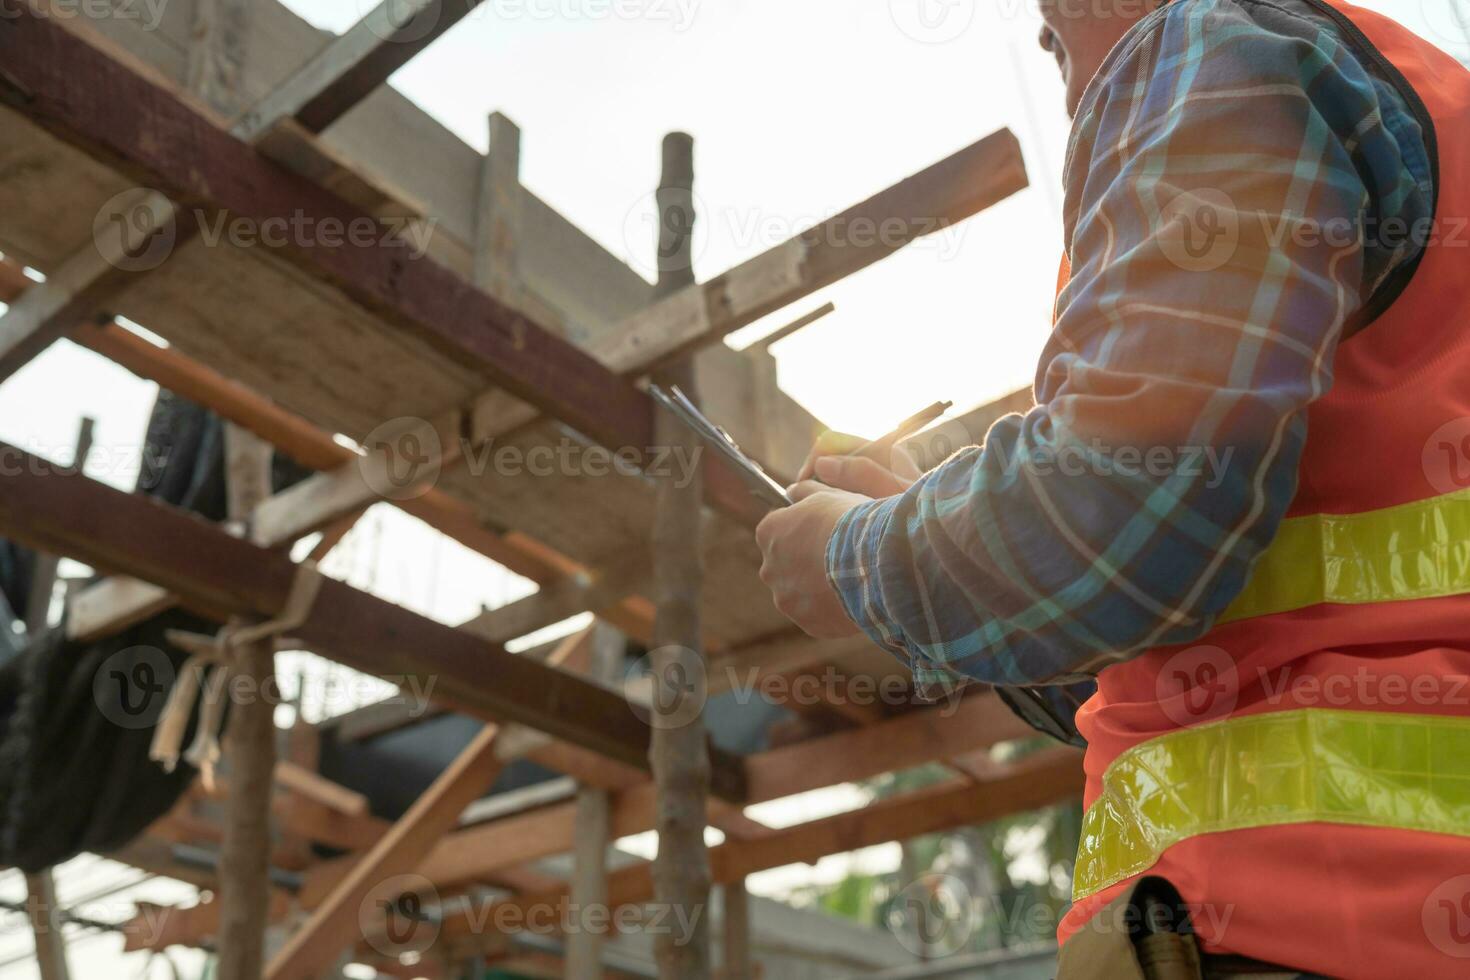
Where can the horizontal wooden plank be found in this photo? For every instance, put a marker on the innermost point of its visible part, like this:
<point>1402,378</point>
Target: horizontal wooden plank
<point>55,509</point>
<point>928,202</point>
<point>146,131</point>
<point>977,720</point>
<point>1049,777</point>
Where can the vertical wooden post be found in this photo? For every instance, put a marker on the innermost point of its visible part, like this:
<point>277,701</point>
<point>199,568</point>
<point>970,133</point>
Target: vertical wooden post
<point>45,912</point>
<point>737,932</point>
<point>679,757</point>
<point>216,65</point>
<point>589,872</point>
<point>46,924</point>
<point>250,748</point>
<point>43,580</point>
<point>497,226</point>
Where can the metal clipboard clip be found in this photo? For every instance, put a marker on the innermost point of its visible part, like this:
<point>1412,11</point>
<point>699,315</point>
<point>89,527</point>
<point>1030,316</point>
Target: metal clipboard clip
<point>756,479</point>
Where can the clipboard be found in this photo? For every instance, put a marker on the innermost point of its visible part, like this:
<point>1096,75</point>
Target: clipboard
<point>756,479</point>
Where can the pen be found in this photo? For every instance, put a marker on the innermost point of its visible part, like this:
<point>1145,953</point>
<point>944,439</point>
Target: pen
<point>903,430</point>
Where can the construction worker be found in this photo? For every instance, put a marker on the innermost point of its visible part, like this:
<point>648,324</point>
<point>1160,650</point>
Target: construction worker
<point>1267,228</point>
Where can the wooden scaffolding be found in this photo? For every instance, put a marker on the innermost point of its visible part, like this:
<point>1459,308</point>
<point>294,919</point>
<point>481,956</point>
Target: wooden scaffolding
<point>119,147</point>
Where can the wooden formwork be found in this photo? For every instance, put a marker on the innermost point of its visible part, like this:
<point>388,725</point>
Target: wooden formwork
<point>513,330</point>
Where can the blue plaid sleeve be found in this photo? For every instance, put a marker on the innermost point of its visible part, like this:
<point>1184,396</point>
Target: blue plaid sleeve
<point>1226,173</point>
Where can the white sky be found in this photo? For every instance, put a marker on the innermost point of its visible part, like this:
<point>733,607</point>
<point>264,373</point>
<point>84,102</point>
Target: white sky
<point>799,109</point>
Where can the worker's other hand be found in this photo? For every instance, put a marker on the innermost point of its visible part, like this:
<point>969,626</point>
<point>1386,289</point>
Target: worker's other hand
<point>892,473</point>
<point>793,541</point>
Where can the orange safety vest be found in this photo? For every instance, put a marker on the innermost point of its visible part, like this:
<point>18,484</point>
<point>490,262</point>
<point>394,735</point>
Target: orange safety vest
<point>1302,773</point>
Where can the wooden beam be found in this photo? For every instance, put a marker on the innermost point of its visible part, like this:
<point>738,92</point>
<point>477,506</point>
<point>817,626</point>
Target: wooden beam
<point>498,221</point>
<point>85,98</point>
<point>317,944</point>
<point>1046,778</point>
<point>736,946</point>
<point>145,227</point>
<point>110,606</point>
<point>127,240</point>
<point>217,51</point>
<point>475,853</point>
<point>333,534</point>
<point>680,761</point>
<point>562,600</point>
<point>319,789</point>
<point>46,921</point>
<point>250,746</point>
<point>800,323</point>
<point>50,507</point>
<point>350,67</point>
<point>349,488</point>
<point>310,446</point>
<point>926,203</point>
<point>43,576</point>
<point>316,449</point>
<point>592,836</point>
<point>979,720</point>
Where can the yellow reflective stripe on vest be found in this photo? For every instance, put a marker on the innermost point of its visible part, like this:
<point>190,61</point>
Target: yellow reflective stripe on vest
<point>1413,551</point>
<point>1410,772</point>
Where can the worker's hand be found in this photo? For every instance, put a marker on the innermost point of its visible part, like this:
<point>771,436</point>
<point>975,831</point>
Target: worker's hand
<point>892,473</point>
<point>793,541</point>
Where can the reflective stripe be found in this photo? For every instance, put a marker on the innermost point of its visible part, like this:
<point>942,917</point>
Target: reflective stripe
<point>1414,551</point>
<point>1410,772</point>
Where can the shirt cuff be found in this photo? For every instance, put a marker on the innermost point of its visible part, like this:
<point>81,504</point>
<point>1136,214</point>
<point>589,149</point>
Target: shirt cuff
<point>854,569</point>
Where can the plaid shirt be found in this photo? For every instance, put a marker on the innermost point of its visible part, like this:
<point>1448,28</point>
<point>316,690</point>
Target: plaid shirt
<point>1240,183</point>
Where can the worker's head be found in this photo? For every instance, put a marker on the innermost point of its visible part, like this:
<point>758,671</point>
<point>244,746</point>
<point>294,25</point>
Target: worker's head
<point>1080,33</point>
